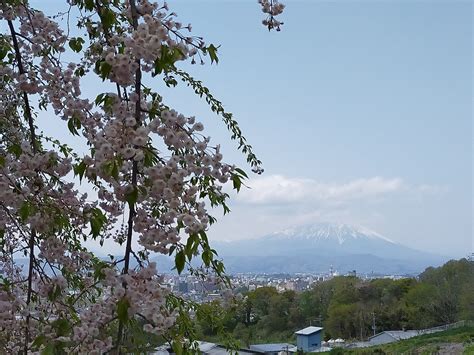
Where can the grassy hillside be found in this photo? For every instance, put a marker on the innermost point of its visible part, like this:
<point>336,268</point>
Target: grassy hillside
<point>452,342</point>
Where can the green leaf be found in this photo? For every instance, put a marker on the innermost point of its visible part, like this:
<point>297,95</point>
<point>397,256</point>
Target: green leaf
<point>98,271</point>
<point>4,49</point>
<point>111,168</point>
<point>74,123</point>
<point>132,197</point>
<point>241,172</point>
<point>39,340</point>
<point>115,171</point>
<point>108,18</point>
<point>95,228</point>
<point>207,257</point>
<point>212,50</point>
<point>170,81</point>
<point>180,260</point>
<point>89,5</point>
<point>191,246</point>
<point>172,249</point>
<point>62,326</point>
<point>80,169</point>
<point>76,44</point>
<point>204,237</point>
<point>122,310</point>
<point>25,210</point>
<point>151,156</point>
<point>79,72</point>
<point>108,102</point>
<point>48,349</point>
<point>167,59</point>
<point>15,149</point>
<point>236,182</point>
<point>99,99</point>
<point>97,222</point>
<point>177,347</point>
<point>103,69</point>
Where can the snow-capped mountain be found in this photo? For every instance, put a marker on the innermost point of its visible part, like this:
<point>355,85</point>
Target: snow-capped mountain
<point>313,248</point>
<point>324,231</point>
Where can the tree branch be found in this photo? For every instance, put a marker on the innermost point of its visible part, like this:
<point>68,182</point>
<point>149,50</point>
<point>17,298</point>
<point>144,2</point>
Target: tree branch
<point>131,216</point>
<point>31,242</point>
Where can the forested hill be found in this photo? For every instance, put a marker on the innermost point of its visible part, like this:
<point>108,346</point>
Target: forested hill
<point>347,305</point>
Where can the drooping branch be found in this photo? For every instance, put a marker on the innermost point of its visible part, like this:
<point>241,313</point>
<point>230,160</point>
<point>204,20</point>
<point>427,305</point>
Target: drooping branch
<point>32,239</point>
<point>21,70</point>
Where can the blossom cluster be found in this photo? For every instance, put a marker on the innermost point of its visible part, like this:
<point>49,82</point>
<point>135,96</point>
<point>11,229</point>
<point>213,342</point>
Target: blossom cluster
<point>157,34</point>
<point>272,8</point>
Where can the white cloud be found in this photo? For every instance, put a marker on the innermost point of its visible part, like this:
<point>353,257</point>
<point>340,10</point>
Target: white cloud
<point>278,189</point>
<point>392,206</point>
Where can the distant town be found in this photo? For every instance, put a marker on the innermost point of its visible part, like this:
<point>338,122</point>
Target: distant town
<point>198,290</point>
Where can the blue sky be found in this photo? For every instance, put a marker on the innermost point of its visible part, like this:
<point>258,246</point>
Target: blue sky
<point>349,91</point>
<point>361,112</point>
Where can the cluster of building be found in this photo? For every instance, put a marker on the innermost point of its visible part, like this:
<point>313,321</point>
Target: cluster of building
<point>308,339</point>
<point>193,288</point>
<point>204,291</point>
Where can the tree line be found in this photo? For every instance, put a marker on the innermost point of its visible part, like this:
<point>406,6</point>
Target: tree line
<point>347,307</point>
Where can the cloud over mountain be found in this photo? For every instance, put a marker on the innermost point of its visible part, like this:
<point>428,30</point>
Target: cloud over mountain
<point>282,189</point>
<point>278,201</point>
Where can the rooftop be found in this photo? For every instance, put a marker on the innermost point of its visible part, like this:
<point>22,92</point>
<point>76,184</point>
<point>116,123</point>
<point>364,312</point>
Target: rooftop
<point>271,347</point>
<point>308,330</point>
<point>399,334</point>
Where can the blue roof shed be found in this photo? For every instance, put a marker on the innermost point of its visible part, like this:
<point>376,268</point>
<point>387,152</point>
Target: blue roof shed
<point>309,338</point>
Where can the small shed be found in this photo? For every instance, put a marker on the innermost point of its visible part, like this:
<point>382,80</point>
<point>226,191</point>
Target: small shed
<point>309,338</point>
<point>389,336</point>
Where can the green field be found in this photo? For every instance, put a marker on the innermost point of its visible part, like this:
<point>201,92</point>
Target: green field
<point>452,342</point>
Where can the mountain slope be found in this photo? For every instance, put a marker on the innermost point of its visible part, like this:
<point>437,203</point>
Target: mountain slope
<point>314,248</point>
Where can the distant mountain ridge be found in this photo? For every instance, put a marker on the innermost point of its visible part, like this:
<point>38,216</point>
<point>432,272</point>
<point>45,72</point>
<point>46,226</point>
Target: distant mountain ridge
<point>339,231</point>
<point>315,247</point>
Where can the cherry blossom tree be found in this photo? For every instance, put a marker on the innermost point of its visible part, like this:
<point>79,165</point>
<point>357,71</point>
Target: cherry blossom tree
<point>152,171</point>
